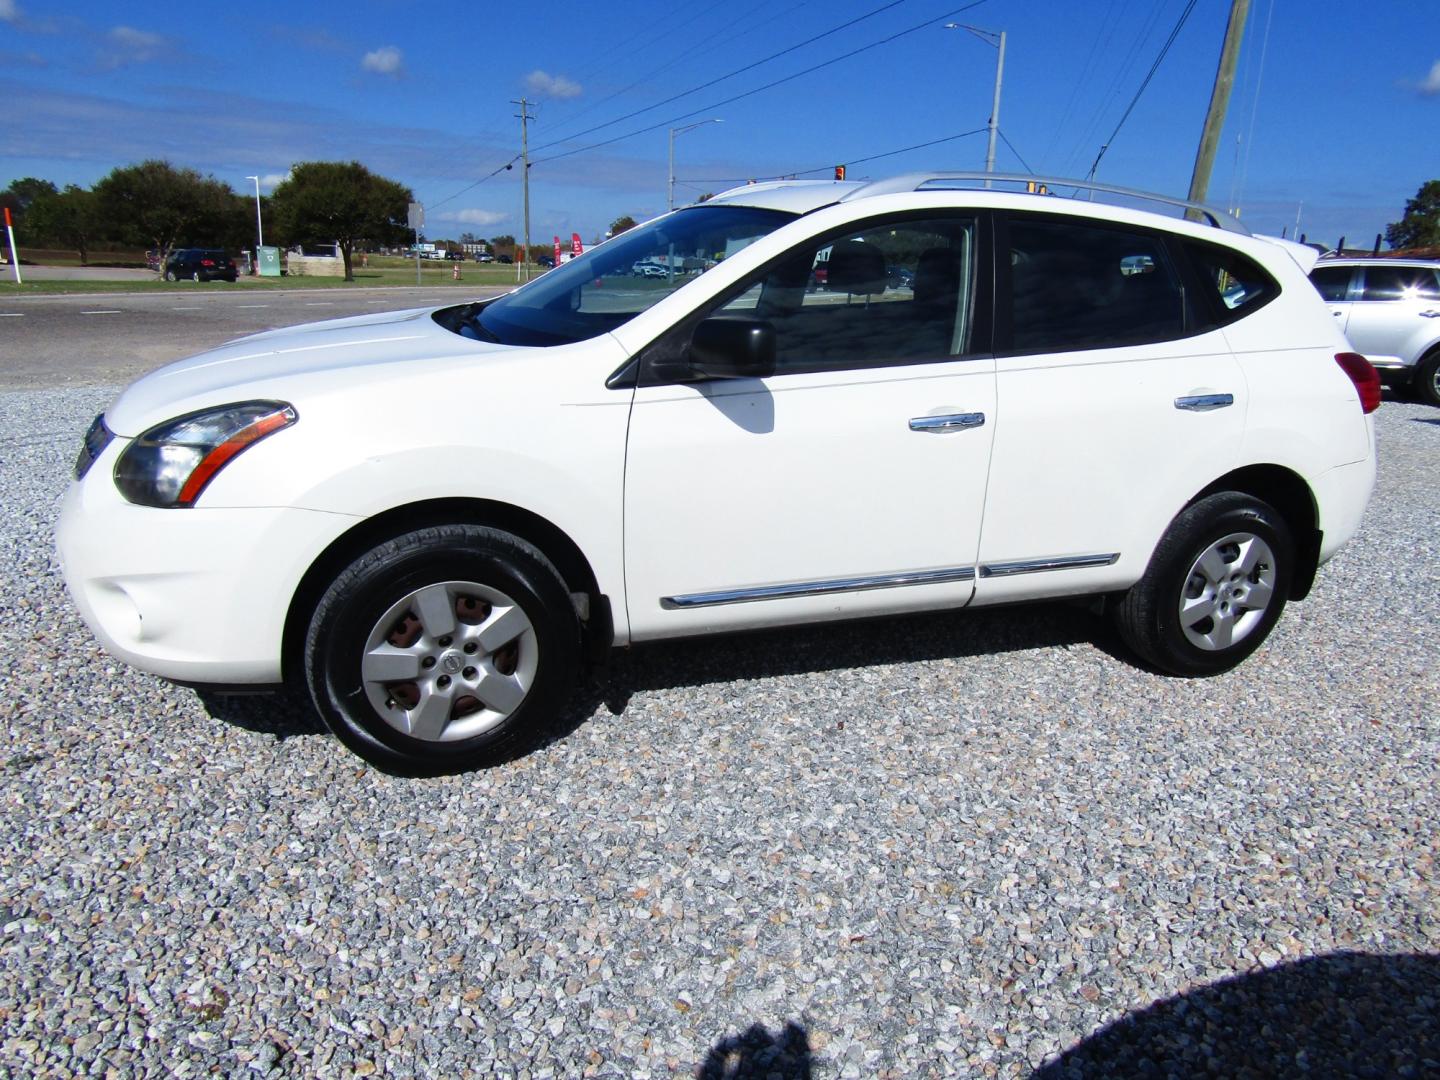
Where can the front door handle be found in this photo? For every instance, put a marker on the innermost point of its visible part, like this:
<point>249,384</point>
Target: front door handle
<point>1430,314</point>
<point>952,422</point>
<point>1204,402</point>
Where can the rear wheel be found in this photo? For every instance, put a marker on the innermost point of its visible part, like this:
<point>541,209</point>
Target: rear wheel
<point>1427,379</point>
<point>195,276</point>
<point>1214,589</point>
<point>170,275</point>
<point>443,649</point>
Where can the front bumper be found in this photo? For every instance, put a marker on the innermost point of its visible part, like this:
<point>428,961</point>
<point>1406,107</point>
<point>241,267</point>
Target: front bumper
<point>198,595</point>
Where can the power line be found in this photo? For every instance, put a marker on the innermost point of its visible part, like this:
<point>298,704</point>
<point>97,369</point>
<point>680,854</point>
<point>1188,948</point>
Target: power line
<point>1148,76</point>
<point>767,86</point>
<point>827,168</point>
<point>722,78</point>
<point>509,164</point>
<point>1011,145</point>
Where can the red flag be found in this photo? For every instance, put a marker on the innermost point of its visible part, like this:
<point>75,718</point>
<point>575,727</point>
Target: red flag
<point>576,247</point>
<point>557,251</point>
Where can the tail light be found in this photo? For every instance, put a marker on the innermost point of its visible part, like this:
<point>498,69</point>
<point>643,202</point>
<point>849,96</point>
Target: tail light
<point>1366,379</point>
<point>211,262</point>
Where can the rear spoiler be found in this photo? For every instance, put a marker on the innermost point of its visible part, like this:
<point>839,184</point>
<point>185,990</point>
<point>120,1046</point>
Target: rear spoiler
<point>1303,254</point>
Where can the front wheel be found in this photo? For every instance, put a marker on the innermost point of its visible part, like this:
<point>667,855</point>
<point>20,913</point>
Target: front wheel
<point>170,275</point>
<point>195,276</point>
<point>1427,379</point>
<point>1214,589</point>
<point>444,649</point>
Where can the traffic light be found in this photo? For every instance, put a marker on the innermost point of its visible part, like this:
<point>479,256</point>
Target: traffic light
<point>839,172</point>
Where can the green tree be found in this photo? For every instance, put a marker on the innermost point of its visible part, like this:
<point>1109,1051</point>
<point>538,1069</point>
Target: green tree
<point>1420,227</point>
<point>69,218</point>
<point>340,202</point>
<point>621,224</point>
<point>21,193</point>
<point>157,205</point>
<point>504,240</point>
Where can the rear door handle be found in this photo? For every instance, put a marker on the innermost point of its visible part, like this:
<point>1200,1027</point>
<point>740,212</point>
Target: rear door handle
<point>1430,314</point>
<point>952,422</point>
<point>1204,402</point>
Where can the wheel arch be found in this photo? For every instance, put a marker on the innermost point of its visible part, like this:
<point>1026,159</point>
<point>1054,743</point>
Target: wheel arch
<point>1288,493</point>
<point>552,541</point>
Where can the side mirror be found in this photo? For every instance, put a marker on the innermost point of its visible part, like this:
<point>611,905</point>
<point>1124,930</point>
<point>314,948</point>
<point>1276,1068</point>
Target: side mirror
<point>733,349</point>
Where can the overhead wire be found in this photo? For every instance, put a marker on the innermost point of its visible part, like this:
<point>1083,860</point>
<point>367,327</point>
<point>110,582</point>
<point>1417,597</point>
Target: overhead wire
<point>1179,25</point>
<point>692,181</point>
<point>760,89</point>
<point>729,75</point>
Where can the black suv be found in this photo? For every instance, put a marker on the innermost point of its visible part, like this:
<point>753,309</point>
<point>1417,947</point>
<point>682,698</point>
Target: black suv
<point>199,264</point>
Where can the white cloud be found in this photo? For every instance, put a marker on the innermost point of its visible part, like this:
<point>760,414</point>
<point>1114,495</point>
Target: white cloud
<point>9,11</point>
<point>126,45</point>
<point>543,84</point>
<point>386,60</point>
<point>273,180</point>
<point>475,217</point>
<point>1431,85</point>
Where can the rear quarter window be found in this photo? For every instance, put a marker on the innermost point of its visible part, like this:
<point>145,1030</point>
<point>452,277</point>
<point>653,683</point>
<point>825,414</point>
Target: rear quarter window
<point>1233,285</point>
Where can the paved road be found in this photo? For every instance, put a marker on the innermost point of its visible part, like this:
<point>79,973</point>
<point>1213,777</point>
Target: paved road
<point>108,338</point>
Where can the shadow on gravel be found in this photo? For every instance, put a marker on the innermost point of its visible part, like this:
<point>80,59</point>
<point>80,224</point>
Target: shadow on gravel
<point>1342,1015</point>
<point>284,713</point>
<point>758,1054</point>
<point>1424,420</point>
<point>809,650</point>
<point>804,650</point>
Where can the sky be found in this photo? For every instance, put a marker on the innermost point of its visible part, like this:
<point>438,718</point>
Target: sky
<point>1334,121</point>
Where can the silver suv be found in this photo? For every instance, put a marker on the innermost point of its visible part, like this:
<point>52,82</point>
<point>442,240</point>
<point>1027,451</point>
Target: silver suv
<point>1390,311</point>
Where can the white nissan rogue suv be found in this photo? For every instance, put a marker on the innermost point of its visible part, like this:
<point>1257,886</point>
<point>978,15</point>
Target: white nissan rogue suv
<point>429,517</point>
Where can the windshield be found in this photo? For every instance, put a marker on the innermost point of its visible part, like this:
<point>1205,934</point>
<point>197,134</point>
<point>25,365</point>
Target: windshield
<point>614,282</point>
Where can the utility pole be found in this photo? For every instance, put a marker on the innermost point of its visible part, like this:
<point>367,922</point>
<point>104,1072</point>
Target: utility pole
<point>997,39</point>
<point>524,116</point>
<point>1219,102</point>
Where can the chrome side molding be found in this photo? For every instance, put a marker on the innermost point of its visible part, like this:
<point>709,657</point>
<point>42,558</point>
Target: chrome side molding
<point>1039,566</point>
<point>882,581</point>
<point>817,588</point>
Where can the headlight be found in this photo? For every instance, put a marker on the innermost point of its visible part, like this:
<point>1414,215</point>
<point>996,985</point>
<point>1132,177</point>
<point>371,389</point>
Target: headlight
<point>171,463</point>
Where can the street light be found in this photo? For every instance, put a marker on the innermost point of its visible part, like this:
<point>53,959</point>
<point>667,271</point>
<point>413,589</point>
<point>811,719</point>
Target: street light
<point>681,131</point>
<point>990,37</point>
<point>259,228</point>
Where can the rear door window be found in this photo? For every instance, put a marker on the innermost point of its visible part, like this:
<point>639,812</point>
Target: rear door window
<point>1399,283</point>
<point>1089,285</point>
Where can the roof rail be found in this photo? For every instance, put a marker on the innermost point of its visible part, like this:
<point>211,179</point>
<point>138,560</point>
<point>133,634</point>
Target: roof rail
<point>932,181</point>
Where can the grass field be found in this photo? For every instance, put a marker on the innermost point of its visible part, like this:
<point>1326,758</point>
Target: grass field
<point>383,271</point>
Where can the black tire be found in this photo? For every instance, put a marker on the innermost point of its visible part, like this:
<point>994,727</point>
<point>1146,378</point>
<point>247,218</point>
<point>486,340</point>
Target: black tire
<point>1426,383</point>
<point>169,275</point>
<point>1149,616</point>
<point>479,574</point>
<point>196,276</point>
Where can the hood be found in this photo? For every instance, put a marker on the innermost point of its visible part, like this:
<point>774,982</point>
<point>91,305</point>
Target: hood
<point>258,366</point>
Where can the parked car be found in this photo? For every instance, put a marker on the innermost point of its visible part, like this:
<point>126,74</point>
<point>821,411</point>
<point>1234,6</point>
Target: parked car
<point>506,259</point>
<point>1072,401</point>
<point>1390,311</point>
<point>484,257</point>
<point>200,264</point>
<point>547,261</point>
<point>649,269</point>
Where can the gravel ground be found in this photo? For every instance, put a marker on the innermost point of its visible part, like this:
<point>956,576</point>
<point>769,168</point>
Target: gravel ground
<point>976,844</point>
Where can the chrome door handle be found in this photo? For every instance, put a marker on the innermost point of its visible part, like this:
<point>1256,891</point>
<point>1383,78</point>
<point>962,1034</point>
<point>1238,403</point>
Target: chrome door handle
<point>1204,402</point>
<point>953,422</point>
<point>1430,314</point>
